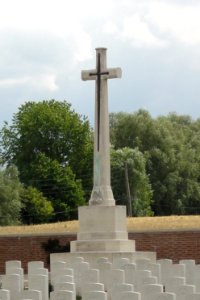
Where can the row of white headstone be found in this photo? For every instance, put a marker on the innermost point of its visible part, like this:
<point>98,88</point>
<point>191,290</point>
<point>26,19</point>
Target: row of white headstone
<point>14,282</point>
<point>120,280</point>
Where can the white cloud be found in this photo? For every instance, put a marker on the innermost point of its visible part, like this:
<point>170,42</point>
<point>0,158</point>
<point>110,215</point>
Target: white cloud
<point>110,27</point>
<point>45,82</point>
<point>155,23</point>
<point>57,18</point>
<point>83,46</point>
<point>9,82</point>
<point>45,43</point>
<point>139,34</point>
<point>182,22</point>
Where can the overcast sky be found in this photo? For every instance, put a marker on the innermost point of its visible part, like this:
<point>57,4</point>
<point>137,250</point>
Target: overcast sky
<point>44,45</point>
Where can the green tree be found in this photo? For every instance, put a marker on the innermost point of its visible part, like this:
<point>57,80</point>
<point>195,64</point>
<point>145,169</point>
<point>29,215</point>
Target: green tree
<point>36,208</point>
<point>132,130</point>
<point>58,184</point>
<point>171,147</point>
<point>50,132</point>
<point>130,182</point>
<point>10,202</point>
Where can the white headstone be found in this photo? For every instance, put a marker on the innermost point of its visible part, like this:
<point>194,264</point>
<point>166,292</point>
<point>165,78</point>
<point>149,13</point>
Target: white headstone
<point>88,287</point>
<point>94,295</point>
<point>58,275</point>
<point>140,279</point>
<point>184,291</point>
<point>165,296</point>
<point>120,262</point>
<point>79,273</point>
<point>196,278</point>
<point>33,270</point>
<point>101,260</point>
<point>64,278</point>
<point>155,269</point>
<point>4,294</point>
<point>150,280</point>
<point>117,277</point>
<point>13,264</point>
<point>177,270</point>
<point>77,259</point>
<point>150,290</point>
<point>58,265</point>
<point>104,273</point>
<point>40,271</point>
<point>120,288</point>
<point>32,265</point>
<point>65,286</point>
<point>62,295</point>
<point>12,283</point>
<point>142,263</point>
<point>29,294</point>
<point>19,271</point>
<point>195,296</point>
<point>166,265</point>
<point>40,283</point>
<point>189,269</point>
<point>72,261</point>
<point>90,276</point>
<point>130,273</point>
<point>129,296</point>
<point>172,283</point>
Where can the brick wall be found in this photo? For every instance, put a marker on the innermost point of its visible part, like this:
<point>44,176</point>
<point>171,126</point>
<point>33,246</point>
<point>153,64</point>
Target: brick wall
<point>175,245</point>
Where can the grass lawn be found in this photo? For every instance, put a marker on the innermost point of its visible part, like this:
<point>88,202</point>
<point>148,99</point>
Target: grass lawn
<point>133,224</point>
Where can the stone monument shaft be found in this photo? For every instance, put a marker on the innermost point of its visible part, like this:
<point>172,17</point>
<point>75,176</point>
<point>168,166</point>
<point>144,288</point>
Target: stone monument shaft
<point>102,192</point>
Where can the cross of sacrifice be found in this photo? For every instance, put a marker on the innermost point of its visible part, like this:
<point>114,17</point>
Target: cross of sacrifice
<point>102,192</point>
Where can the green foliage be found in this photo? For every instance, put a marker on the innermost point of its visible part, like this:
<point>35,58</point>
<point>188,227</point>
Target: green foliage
<point>140,188</point>
<point>59,185</point>
<point>171,147</point>
<point>51,146</point>
<point>10,203</point>
<point>36,208</point>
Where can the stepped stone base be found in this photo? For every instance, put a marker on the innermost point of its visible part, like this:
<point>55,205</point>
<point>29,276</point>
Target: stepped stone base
<point>102,233</point>
<point>102,228</point>
<point>101,246</point>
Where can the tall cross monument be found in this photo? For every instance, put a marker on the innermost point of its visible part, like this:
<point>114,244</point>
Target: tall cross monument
<point>102,224</point>
<point>102,192</point>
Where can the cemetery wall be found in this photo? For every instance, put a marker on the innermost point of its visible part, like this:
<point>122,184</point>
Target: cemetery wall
<point>175,245</point>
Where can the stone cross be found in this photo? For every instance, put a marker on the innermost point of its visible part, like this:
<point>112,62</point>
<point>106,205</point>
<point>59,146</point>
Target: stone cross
<point>102,192</point>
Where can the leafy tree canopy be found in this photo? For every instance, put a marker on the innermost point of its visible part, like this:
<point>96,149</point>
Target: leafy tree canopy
<point>132,162</point>
<point>36,208</point>
<point>171,146</point>
<point>10,202</point>
<point>47,140</point>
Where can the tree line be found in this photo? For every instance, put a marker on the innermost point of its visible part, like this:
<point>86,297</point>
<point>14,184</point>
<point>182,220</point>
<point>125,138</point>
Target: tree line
<point>46,156</point>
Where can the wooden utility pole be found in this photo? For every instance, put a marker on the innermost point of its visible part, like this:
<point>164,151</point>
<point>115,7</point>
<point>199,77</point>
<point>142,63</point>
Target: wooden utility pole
<point>128,190</point>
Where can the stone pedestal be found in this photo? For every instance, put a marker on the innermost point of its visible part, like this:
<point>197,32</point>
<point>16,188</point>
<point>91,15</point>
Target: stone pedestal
<point>102,233</point>
<point>102,228</point>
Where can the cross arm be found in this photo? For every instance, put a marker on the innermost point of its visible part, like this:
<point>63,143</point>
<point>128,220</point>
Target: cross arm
<point>113,73</point>
<point>105,74</point>
<point>85,75</point>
